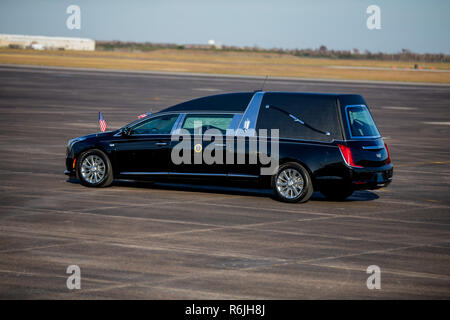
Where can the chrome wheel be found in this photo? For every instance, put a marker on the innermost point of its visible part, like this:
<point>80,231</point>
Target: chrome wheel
<point>93,169</point>
<point>290,183</point>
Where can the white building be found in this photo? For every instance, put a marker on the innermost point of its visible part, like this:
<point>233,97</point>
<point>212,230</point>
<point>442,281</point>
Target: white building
<point>42,42</point>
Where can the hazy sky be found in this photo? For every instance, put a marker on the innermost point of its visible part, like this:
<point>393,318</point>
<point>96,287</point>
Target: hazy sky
<point>418,25</point>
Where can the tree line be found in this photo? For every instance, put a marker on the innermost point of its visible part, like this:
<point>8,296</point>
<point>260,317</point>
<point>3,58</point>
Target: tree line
<point>321,52</point>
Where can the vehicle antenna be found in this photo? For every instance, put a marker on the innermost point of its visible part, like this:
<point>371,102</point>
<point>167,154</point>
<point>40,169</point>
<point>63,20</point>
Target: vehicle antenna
<point>264,82</point>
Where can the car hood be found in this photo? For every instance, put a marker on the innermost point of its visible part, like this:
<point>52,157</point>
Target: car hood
<point>93,136</point>
<point>100,134</point>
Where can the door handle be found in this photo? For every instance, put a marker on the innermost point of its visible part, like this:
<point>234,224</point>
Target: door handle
<point>161,143</point>
<point>220,144</point>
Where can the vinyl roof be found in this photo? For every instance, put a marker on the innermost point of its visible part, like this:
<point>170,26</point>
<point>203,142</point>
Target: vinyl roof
<point>237,102</point>
<point>233,102</point>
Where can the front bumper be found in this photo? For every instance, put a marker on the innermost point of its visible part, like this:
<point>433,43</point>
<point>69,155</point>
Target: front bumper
<point>69,173</point>
<point>70,170</point>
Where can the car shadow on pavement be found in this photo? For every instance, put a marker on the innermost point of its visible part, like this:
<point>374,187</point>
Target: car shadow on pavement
<point>244,189</point>
<point>360,195</point>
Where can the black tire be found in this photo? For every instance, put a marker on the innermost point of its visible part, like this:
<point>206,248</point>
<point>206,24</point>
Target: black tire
<point>106,179</point>
<point>337,193</point>
<point>304,193</point>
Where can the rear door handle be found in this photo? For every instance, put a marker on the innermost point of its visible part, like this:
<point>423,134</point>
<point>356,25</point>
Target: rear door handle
<point>161,143</point>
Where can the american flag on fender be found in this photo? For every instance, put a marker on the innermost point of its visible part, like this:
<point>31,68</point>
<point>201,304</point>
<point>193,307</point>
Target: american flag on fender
<point>144,115</point>
<point>102,122</point>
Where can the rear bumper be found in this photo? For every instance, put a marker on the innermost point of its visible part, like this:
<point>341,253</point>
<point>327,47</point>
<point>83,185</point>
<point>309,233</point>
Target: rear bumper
<point>371,178</point>
<point>356,178</point>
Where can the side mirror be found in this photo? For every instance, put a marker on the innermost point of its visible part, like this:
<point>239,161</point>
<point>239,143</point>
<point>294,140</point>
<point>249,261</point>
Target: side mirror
<point>126,131</point>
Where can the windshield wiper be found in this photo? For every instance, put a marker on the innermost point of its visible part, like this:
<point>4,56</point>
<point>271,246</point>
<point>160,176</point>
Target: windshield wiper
<point>296,119</point>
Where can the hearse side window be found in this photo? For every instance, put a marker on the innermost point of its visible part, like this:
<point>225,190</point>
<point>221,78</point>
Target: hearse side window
<point>360,122</point>
<point>208,121</point>
<point>157,125</point>
<point>317,111</point>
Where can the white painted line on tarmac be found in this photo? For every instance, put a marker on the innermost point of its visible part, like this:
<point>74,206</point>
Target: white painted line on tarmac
<point>400,108</point>
<point>207,89</point>
<point>438,123</point>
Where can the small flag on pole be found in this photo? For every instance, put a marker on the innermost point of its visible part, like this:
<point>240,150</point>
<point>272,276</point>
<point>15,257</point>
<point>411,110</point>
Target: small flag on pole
<point>144,115</point>
<point>102,122</point>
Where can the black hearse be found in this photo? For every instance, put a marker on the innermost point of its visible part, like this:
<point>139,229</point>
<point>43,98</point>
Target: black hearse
<point>327,142</point>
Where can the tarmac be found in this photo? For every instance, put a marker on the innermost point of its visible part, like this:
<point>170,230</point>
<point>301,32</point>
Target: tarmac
<point>180,241</point>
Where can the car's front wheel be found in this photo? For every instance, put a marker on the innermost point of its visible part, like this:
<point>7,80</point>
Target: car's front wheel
<point>94,169</point>
<point>292,183</point>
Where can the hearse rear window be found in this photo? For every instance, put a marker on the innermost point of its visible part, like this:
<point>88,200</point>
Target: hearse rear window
<point>360,122</point>
<point>316,111</point>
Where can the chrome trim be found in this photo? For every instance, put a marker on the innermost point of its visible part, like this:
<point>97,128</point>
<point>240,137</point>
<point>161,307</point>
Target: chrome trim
<point>345,161</point>
<point>350,129</point>
<point>200,174</point>
<point>372,147</point>
<point>298,120</point>
<point>250,116</point>
<point>309,141</point>
<point>144,173</point>
<point>237,175</point>
<point>178,123</point>
<point>235,121</point>
<point>197,174</point>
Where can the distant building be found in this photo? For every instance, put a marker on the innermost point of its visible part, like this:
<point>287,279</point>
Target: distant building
<point>212,44</point>
<point>42,42</point>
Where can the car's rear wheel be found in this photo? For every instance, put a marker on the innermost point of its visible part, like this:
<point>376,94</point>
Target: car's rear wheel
<point>337,193</point>
<point>292,183</point>
<point>94,169</point>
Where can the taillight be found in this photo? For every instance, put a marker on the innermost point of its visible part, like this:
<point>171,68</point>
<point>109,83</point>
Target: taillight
<point>347,154</point>
<point>388,161</point>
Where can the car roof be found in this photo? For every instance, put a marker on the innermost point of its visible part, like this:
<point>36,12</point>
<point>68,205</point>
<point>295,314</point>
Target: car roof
<point>238,102</point>
<point>230,102</point>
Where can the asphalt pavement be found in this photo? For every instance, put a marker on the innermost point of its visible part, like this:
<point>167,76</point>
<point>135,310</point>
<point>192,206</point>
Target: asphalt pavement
<point>179,241</point>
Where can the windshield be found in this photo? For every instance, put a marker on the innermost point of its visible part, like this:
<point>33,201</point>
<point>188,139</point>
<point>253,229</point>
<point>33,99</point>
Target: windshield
<point>360,122</point>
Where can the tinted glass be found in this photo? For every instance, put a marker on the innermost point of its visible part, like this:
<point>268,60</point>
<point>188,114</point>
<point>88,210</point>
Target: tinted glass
<point>158,125</point>
<point>318,111</point>
<point>360,122</point>
<point>211,121</point>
